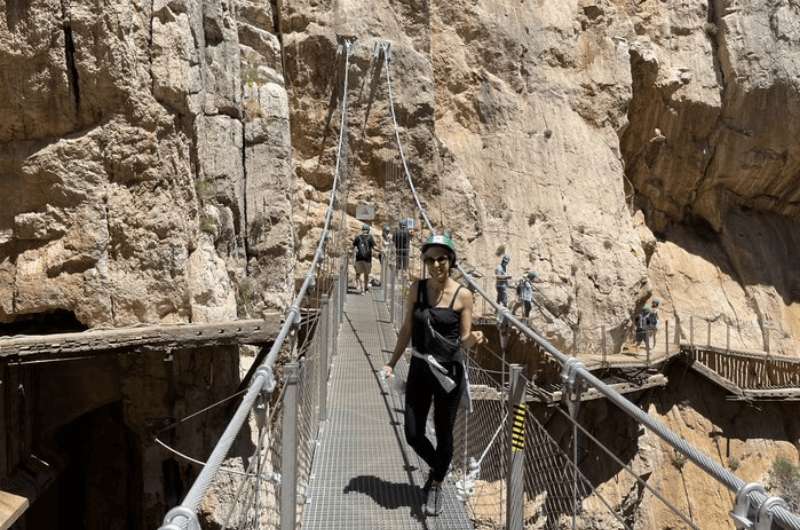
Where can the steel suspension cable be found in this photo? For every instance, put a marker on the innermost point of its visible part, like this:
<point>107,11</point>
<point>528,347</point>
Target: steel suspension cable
<point>186,513</point>
<point>732,482</point>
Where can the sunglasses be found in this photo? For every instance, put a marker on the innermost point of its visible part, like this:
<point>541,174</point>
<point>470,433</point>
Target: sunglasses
<point>438,260</point>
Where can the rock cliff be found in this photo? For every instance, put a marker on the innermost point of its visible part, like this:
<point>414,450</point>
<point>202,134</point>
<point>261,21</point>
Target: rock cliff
<point>169,161</point>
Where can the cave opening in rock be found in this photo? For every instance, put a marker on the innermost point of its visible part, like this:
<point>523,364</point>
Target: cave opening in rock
<point>99,485</point>
<point>58,321</point>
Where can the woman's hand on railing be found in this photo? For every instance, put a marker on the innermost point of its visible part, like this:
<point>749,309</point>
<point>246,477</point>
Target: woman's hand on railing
<point>474,338</point>
<point>387,372</point>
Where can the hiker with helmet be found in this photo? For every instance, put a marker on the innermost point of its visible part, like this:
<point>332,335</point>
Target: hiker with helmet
<point>402,244</point>
<point>438,322</point>
<point>501,281</point>
<point>525,293</point>
<point>363,245</point>
<point>647,321</point>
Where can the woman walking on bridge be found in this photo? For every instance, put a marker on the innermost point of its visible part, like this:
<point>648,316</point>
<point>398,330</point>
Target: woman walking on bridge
<point>438,321</point>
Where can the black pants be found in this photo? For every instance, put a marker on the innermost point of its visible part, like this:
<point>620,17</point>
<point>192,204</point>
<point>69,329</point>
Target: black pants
<point>422,389</point>
<point>526,308</point>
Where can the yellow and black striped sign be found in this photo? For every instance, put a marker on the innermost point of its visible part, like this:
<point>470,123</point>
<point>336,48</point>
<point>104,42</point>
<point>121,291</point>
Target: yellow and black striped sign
<point>518,428</point>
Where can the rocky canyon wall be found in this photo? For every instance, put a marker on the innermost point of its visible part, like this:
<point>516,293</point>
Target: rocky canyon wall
<point>144,155</point>
<point>170,161</point>
<point>603,144</point>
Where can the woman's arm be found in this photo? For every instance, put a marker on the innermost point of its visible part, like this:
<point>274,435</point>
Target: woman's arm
<point>469,338</point>
<point>405,330</point>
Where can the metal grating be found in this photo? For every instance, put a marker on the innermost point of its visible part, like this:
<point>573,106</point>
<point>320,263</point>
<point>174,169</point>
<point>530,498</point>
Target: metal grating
<point>364,475</point>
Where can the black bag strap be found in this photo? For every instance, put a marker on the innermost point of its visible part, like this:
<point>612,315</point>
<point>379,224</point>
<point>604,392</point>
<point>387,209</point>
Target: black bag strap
<point>438,336</point>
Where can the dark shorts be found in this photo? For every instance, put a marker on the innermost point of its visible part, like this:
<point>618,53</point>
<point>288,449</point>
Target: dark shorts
<point>502,296</point>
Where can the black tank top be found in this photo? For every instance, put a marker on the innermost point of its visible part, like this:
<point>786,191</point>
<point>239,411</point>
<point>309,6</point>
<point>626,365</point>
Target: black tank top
<point>436,330</point>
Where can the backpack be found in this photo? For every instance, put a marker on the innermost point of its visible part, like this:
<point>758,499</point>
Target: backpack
<point>363,251</point>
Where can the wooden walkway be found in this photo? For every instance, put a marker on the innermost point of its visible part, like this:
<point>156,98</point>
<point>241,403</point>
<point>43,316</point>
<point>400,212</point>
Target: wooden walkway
<point>748,376</point>
<point>32,348</point>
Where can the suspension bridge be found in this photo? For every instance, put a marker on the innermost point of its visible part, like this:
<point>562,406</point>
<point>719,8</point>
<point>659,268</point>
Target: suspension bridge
<point>329,453</point>
<point>325,430</point>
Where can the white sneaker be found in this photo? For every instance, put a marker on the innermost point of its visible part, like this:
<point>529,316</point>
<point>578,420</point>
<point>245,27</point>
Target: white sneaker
<point>433,504</point>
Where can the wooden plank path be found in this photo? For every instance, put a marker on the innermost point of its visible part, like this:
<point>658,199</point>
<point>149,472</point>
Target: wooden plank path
<point>43,347</point>
<point>747,376</point>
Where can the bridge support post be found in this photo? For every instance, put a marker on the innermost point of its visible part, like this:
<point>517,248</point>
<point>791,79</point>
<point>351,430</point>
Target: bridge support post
<point>603,342</point>
<point>334,329</point>
<point>342,290</point>
<point>288,501</point>
<point>515,486</point>
<point>691,331</point>
<point>666,338</point>
<point>392,280</point>
<point>708,333</point>
<point>728,337</point>
<point>323,342</point>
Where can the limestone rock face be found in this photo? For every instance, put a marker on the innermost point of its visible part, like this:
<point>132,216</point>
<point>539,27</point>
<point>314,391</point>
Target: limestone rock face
<point>714,85</point>
<point>172,161</point>
<point>125,145</point>
<point>509,120</point>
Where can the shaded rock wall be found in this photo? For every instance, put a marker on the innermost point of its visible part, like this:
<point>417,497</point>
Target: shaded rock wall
<point>733,434</point>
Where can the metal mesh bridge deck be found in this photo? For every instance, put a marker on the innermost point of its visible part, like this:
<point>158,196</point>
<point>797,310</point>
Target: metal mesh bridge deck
<point>364,474</point>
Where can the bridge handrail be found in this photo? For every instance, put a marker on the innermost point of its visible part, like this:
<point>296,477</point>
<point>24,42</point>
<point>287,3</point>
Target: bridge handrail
<point>574,369</point>
<point>185,514</point>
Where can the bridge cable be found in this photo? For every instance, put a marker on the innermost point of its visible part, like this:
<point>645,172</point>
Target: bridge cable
<point>571,364</point>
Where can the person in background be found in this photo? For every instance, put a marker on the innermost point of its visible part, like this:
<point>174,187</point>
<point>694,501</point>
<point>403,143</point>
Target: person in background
<point>647,321</point>
<point>501,281</point>
<point>525,293</point>
<point>386,241</point>
<point>652,321</point>
<point>363,245</point>
<point>402,244</point>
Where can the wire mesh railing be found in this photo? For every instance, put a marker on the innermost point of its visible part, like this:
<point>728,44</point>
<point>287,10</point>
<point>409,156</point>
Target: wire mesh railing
<point>265,480</point>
